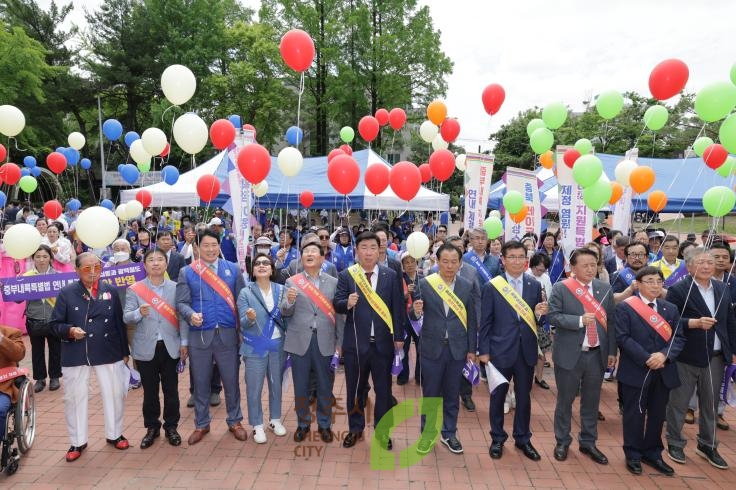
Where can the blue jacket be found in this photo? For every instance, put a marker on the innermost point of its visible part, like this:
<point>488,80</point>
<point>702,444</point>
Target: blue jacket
<point>251,297</point>
<point>227,247</point>
<point>491,263</point>
<point>194,295</point>
<point>343,258</point>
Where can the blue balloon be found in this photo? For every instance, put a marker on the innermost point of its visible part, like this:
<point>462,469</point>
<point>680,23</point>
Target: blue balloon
<point>3,199</point>
<point>25,171</point>
<point>130,137</point>
<point>170,174</point>
<point>106,203</point>
<point>235,120</point>
<point>85,163</point>
<point>62,150</point>
<point>121,167</point>
<point>130,173</point>
<point>29,161</point>
<point>72,156</point>
<point>74,204</point>
<point>294,135</point>
<point>112,129</point>
<point>36,171</point>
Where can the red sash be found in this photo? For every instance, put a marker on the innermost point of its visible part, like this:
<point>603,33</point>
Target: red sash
<point>215,283</point>
<point>159,304</point>
<point>314,294</point>
<point>8,373</point>
<point>590,304</point>
<point>650,317</point>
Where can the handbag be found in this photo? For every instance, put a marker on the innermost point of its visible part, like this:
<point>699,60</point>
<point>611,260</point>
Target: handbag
<point>544,338</point>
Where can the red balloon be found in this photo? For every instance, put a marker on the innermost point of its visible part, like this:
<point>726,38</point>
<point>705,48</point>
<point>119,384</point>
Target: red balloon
<point>397,118</point>
<point>3,153</point>
<point>250,127</point>
<point>442,164</point>
<point>306,198</point>
<point>10,173</point>
<point>144,197</point>
<point>426,172</point>
<point>715,155</point>
<point>450,130</point>
<point>346,149</point>
<point>334,153</point>
<point>570,156</point>
<point>254,163</point>
<point>222,133</point>
<point>343,173</point>
<point>668,78</point>
<point>56,162</point>
<point>208,187</point>
<point>405,180</point>
<point>382,116</point>
<point>166,151</point>
<point>368,128</point>
<point>52,209</point>
<point>376,178</point>
<point>297,50</point>
<point>493,96</point>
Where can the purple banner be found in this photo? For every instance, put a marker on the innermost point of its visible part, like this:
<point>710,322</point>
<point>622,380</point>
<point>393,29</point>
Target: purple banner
<point>24,288</point>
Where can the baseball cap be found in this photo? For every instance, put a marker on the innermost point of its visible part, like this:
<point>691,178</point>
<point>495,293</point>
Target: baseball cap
<point>215,222</point>
<point>656,234</point>
<point>263,241</point>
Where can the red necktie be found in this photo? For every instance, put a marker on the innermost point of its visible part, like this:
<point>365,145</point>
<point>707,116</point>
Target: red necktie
<point>592,331</point>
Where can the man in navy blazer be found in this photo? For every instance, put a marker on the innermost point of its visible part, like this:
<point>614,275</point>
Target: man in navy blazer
<point>647,370</point>
<point>507,341</point>
<point>368,343</point>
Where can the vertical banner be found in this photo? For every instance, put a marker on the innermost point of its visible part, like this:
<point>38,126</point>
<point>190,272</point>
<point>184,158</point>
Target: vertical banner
<point>525,182</point>
<point>576,219</point>
<point>622,209</point>
<point>478,175</point>
<point>241,195</point>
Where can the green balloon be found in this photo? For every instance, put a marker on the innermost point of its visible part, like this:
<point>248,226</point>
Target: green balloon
<point>656,117</point>
<point>719,201</point>
<point>733,74</point>
<point>347,134</point>
<point>144,167</point>
<point>541,140</point>
<point>554,115</point>
<point>513,201</point>
<point>28,183</point>
<point>701,144</point>
<point>727,168</point>
<point>609,104</point>
<point>598,194</point>
<point>727,133</point>
<point>493,227</point>
<point>715,101</point>
<point>533,125</point>
<point>583,146</point>
<point>587,170</point>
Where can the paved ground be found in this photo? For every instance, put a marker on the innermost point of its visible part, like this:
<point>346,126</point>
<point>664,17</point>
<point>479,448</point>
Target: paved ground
<point>220,461</point>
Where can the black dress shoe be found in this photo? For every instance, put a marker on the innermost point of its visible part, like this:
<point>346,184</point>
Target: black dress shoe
<point>172,436</point>
<point>401,381</point>
<point>468,403</point>
<point>561,452</point>
<point>325,433</point>
<point>594,454</point>
<point>634,467</point>
<point>529,451</point>
<point>150,436</point>
<point>659,465</point>
<point>351,439</point>
<point>301,433</point>
<point>541,383</point>
<point>496,450</point>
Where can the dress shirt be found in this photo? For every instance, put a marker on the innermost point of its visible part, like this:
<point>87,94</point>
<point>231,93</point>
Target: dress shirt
<point>374,284</point>
<point>710,300</point>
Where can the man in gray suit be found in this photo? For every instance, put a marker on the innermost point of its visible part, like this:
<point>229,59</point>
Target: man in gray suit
<point>296,266</point>
<point>582,309</point>
<point>315,333</point>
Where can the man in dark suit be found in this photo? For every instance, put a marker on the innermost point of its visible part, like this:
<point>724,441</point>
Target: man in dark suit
<point>648,336</point>
<point>508,339</point>
<point>582,310</point>
<point>176,261</point>
<point>709,323</point>
<point>617,261</point>
<point>374,328</point>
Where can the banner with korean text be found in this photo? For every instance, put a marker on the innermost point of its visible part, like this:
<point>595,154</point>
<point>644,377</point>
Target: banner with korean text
<point>576,219</point>
<point>478,175</point>
<point>241,195</point>
<point>525,182</point>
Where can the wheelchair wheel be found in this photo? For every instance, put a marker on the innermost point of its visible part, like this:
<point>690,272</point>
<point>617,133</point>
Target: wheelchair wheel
<point>25,417</point>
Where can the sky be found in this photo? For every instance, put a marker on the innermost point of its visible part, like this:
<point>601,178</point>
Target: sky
<point>565,50</point>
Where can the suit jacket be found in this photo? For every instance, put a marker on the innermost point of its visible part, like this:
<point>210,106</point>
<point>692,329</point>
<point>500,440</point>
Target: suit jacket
<point>147,328</point>
<point>503,334</point>
<point>176,263</point>
<point>564,313</point>
<point>469,273</point>
<point>637,341</point>
<point>12,351</point>
<point>610,264</point>
<point>617,282</point>
<point>304,315</point>
<point>251,297</point>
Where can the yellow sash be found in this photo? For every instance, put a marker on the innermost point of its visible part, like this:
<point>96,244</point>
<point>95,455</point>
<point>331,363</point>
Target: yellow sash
<point>449,297</point>
<point>356,271</point>
<point>516,301</point>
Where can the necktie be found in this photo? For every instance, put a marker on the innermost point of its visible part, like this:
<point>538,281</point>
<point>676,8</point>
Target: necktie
<point>368,275</point>
<point>592,329</point>
<point>651,305</point>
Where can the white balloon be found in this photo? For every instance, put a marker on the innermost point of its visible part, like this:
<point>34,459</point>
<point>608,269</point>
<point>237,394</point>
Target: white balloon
<point>138,153</point>
<point>260,189</point>
<point>495,213</point>
<point>190,133</point>
<point>428,130</point>
<point>121,211</point>
<point>76,140</point>
<point>290,161</point>
<point>21,240</point>
<point>178,84</point>
<point>133,209</point>
<point>154,141</point>
<point>97,227</point>
<point>623,171</point>
<point>12,120</point>
<point>460,162</point>
<point>438,143</point>
<point>417,244</point>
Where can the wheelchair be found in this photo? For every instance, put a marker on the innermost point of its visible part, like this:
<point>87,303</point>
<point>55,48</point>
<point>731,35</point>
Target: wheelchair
<point>20,427</point>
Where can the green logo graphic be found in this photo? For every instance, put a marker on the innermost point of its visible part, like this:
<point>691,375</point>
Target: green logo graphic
<point>431,408</point>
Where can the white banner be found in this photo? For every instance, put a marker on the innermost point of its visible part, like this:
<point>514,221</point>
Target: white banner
<point>576,219</point>
<point>241,195</point>
<point>525,182</point>
<point>622,209</point>
<point>478,175</point>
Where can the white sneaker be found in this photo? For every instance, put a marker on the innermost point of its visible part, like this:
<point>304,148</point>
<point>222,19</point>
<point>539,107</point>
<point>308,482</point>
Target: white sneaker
<point>259,435</point>
<point>277,427</point>
<point>506,407</point>
<point>512,402</point>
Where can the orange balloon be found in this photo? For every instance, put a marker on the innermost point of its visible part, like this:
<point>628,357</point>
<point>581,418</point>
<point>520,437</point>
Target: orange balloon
<point>519,217</point>
<point>617,190</point>
<point>546,159</point>
<point>642,179</point>
<point>657,201</point>
<point>437,112</point>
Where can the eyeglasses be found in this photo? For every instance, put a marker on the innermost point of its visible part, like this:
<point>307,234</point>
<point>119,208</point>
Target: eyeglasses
<point>324,237</point>
<point>637,256</point>
<point>515,258</point>
<point>262,262</point>
<point>653,282</point>
<point>90,268</point>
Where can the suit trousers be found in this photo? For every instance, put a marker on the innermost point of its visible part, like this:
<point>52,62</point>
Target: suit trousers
<point>113,382</point>
<point>161,370</point>
<point>38,356</point>
<point>522,375</point>
<point>444,382</point>
<point>215,381</point>
<point>644,411</point>
<point>358,366</point>
<point>258,369</point>
<point>587,375</point>
<point>312,366</point>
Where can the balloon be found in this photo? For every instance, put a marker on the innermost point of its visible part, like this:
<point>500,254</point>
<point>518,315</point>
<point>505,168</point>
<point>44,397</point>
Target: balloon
<point>587,170</point>
<point>641,179</point>
<point>493,226</point>
<point>85,163</point>
<point>250,127</point>
<point>178,84</point>
<point>570,157</point>
<point>668,78</point>
<point>376,178</point>
<point>12,120</point>
<point>715,101</point>
<point>297,50</point>
<point>368,128</point>
<point>112,129</point>
<point>28,184</point>
<point>438,143</point>
<point>222,133</point>
<point>656,117</point>
<point>4,153</point>
<point>290,161</point>
<point>260,189</point>
<point>154,141</point>
<point>3,199</point>
<point>334,153</point>
<point>107,204</point>
<point>133,209</point>
<point>24,171</point>
<point>72,156</point>
<point>170,174</point>
<point>190,133</point>
<point>728,168</point>
<point>254,163</point>
<point>382,116</point>
<point>74,204</point>
<point>294,135</point>
<point>417,244</point>
<point>442,163</point>
<point>144,197</point>
<point>347,134</point>
<point>165,151</point>
<point>623,171</point>
<point>52,209</point>
<point>208,187</point>
<point>715,155</point>
<point>519,217</point>
<point>583,146</point>
<point>130,137</point>
<point>657,201</point>
<point>36,172</point>
<point>28,161</point>
<point>701,144</point>
<point>306,198</point>
<point>547,159</point>
<point>609,104</point>
<point>597,195</point>
<point>460,162</point>
<point>450,130</point>
<point>130,173</point>
<point>533,125</point>
<point>492,97</point>
<point>405,180</point>
<point>346,149</point>
<point>733,74</point>
<point>56,162</point>
<point>718,201</point>
<point>21,240</point>
<point>76,140</point>
<point>121,212</point>
<point>513,201</point>
<point>343,173</point>
<point>139,154</point>
<point>554,115</point>
<point>397,118</point>
<point>426,172</point>
<point>437,112</point>
<point>144,167</point>
<point>10,173</point>
<point>428,131</point>
<point>541,140</point>
<point>727,133</point>
<point>617,190</point>
<point>97,227</point>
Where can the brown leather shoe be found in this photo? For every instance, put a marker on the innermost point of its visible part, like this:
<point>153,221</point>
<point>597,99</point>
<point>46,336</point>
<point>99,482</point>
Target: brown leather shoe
<point>197,435</point>
<point>238,431</point>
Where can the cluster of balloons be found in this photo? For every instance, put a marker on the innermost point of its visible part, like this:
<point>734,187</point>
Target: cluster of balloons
<point>438,129</point>
<point>541,137</point>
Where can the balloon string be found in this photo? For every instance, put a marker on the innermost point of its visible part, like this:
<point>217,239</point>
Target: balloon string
<point>15,140</point>
<point>299,102</point>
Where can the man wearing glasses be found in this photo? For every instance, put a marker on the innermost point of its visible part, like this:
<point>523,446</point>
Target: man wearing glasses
<point>623,282</point>
<point>487,265</point>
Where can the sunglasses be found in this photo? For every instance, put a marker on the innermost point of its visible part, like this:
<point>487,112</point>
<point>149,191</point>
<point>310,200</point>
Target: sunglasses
<point>262,262</point>
<point>90,268</point>
<point>324,237</point>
